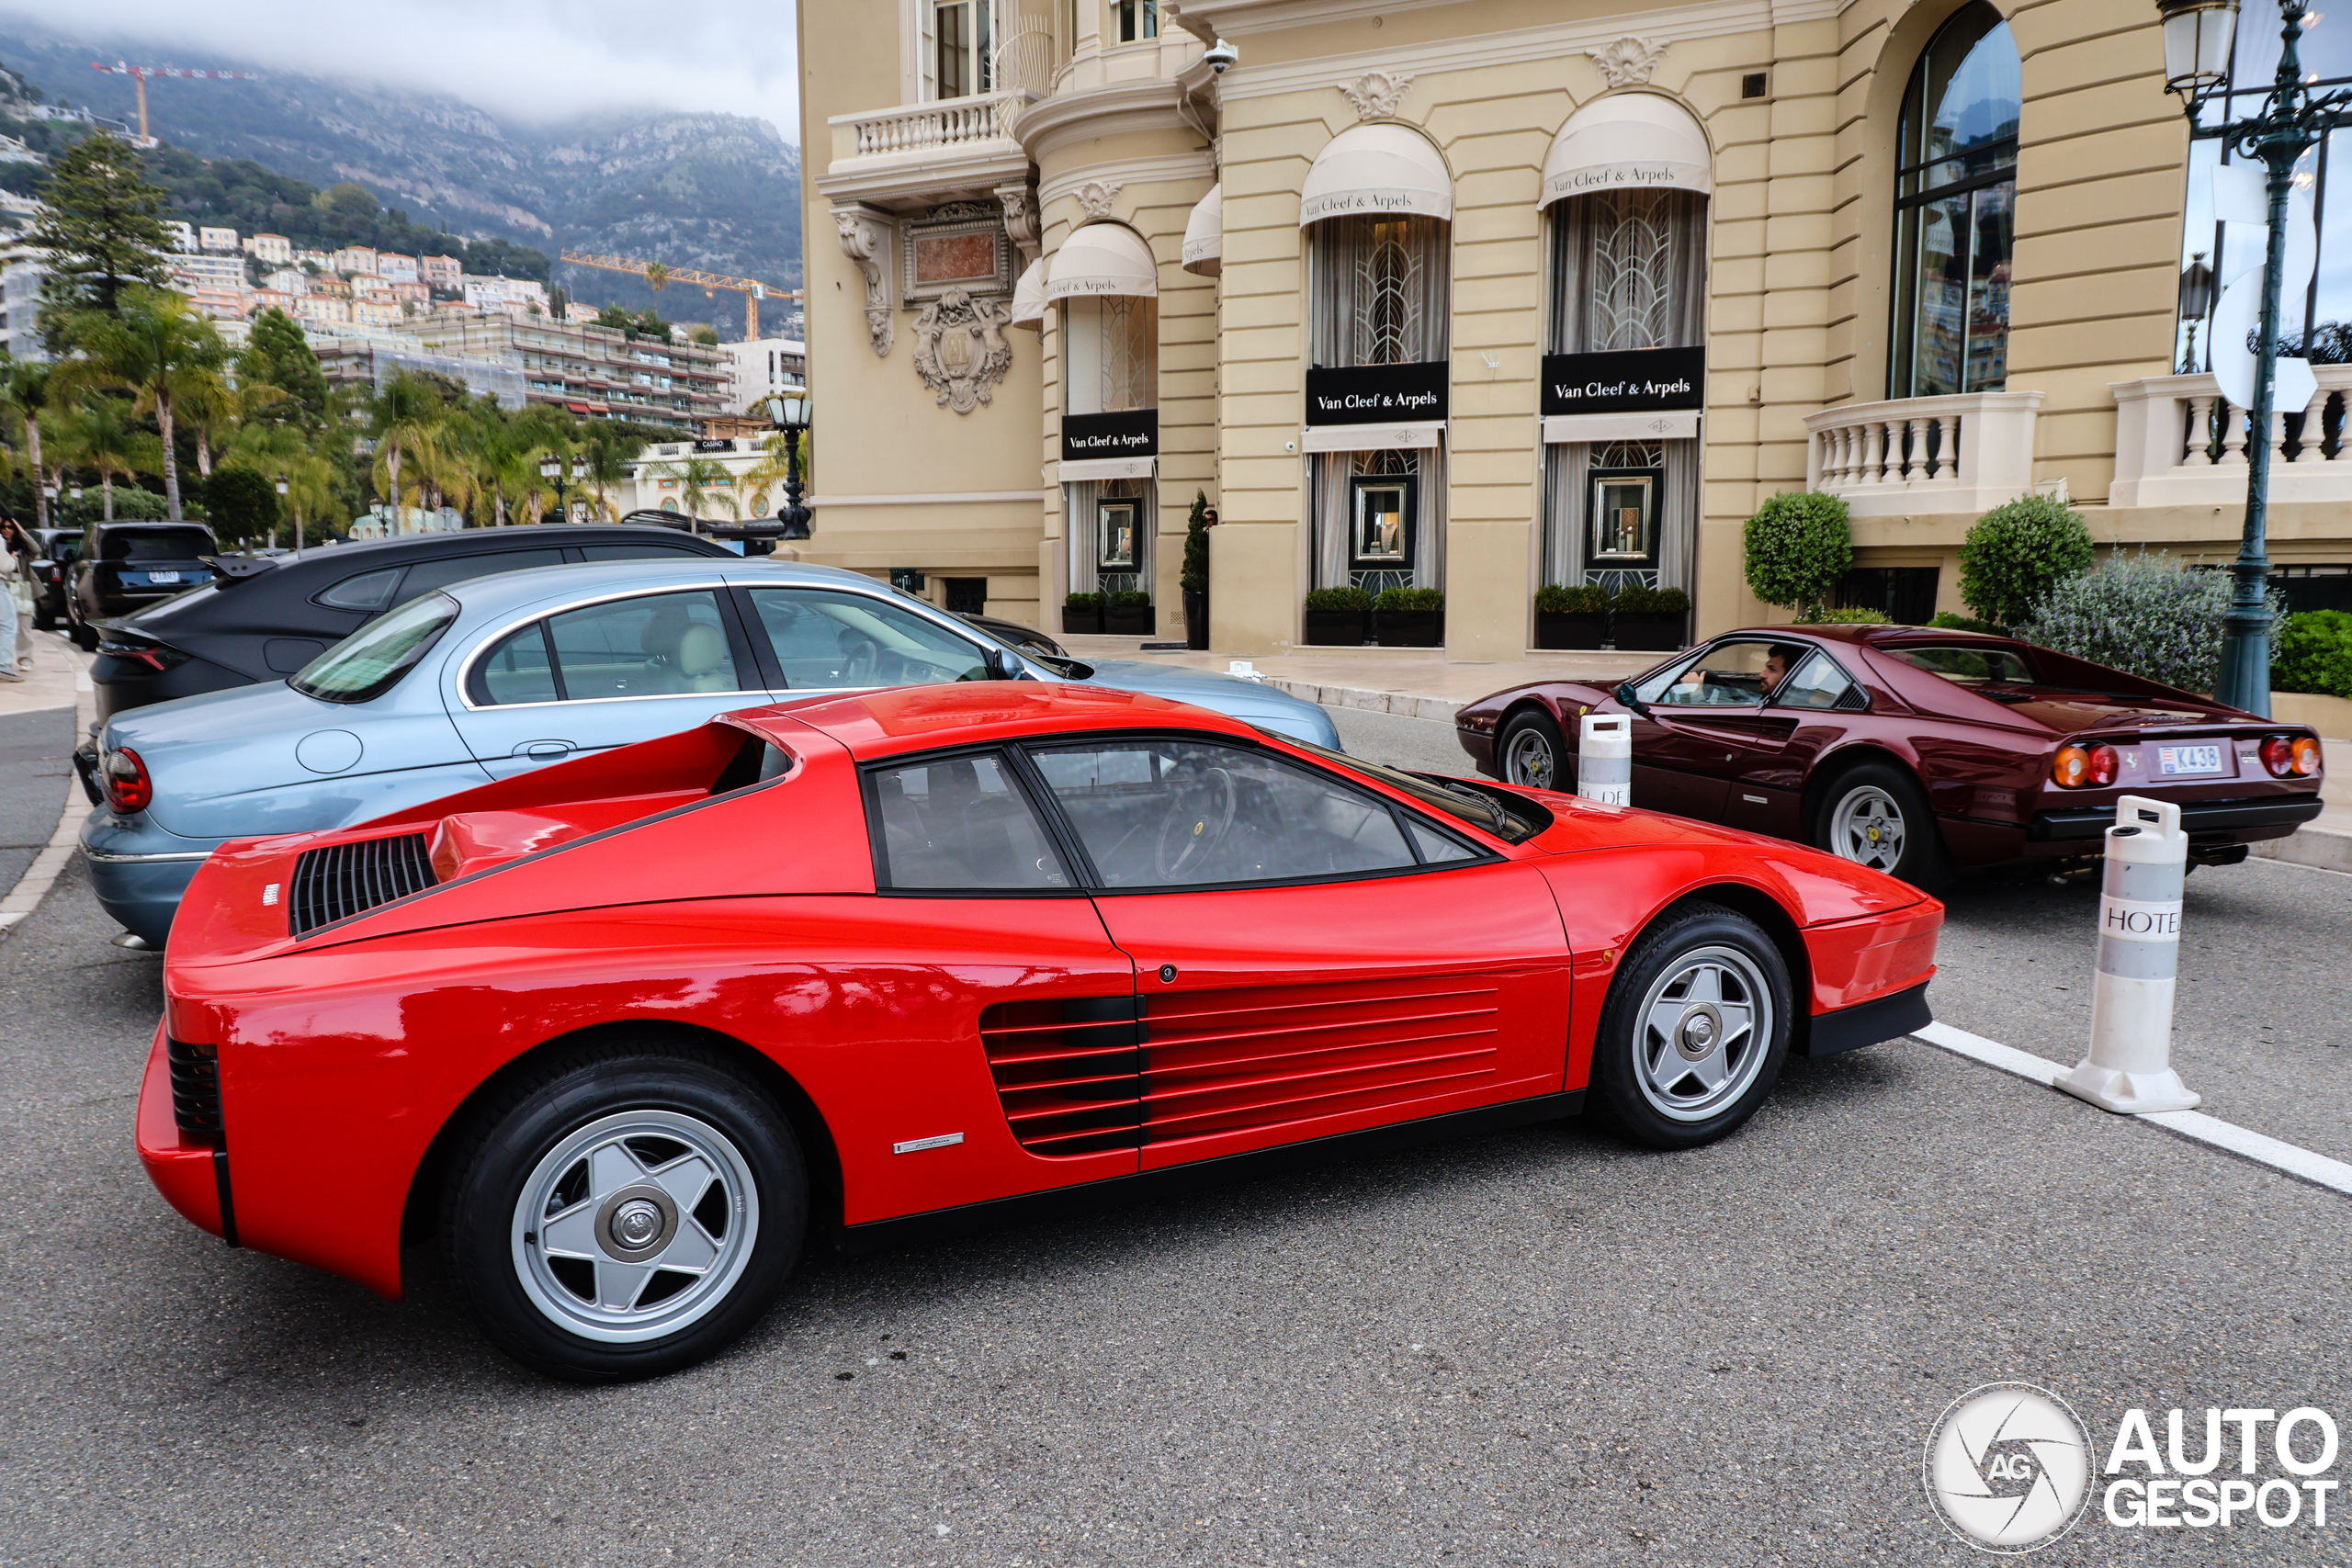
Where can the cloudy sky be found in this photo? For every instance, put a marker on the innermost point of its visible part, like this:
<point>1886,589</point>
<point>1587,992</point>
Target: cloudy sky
<point>520,59</point>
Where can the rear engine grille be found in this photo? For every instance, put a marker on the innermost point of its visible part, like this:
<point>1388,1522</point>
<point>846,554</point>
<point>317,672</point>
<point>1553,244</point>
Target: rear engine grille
<point>341,880</point>
<point>196,1088</point>
<point>1069,1073</point>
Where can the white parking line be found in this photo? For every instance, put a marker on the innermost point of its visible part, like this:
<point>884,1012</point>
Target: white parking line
<point>2195,1126</point>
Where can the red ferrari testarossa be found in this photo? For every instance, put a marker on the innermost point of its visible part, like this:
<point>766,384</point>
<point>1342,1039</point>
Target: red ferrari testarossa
<point>626,1030</point>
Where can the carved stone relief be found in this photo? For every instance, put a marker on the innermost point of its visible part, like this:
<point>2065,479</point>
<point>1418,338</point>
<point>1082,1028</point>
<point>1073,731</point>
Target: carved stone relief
<point>960,350</point>
<point>866,240</point>
<point>1377,95</point>
<point>1097,195</point>
<point>1629,62</point>
<point>1020,204</point>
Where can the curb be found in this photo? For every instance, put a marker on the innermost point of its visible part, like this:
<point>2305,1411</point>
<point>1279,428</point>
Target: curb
<point>2328,849</point>
<point>1403,704</point>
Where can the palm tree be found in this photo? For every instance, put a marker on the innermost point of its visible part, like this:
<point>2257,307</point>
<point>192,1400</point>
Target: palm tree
<point>404,419</point>
<point>697,479</point>
<point>156,348</point>
<point>605,464</point>
<point>24,393</point>
<point>278,451</point>
<point>93,433</point>
<point>773,468</point>
<point>214,407</point>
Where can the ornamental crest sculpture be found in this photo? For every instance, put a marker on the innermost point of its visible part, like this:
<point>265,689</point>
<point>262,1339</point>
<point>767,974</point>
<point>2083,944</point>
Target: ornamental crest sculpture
<point>960,350</point>
<point>1629,62</point>
<point>1377,95</point>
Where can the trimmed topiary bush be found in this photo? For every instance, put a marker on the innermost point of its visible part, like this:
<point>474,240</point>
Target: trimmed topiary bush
<point>1640,601</point>
<point>2141,613</point>
<point>1409,599</point>
<point>1127,598</point>
<point>2312,652</point>
<point>2017,553</point>
<point>1082,602</point>
<point>1193,577</point>
<point>1800,543</point>
<point>1585,599</point>
<point>1339,601</point>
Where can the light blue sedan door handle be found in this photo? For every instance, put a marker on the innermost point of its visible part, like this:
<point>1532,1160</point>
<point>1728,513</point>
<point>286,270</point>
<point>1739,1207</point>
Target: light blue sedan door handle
<point>544,751</point>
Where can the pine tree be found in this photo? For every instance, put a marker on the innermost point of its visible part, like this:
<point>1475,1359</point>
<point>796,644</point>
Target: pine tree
<point>278,354</point>
<point>102,225</point>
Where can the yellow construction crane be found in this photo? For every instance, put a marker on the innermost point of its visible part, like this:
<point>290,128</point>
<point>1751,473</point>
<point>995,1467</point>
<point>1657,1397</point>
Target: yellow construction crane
<point>141,74</point>
<point>657,276</point>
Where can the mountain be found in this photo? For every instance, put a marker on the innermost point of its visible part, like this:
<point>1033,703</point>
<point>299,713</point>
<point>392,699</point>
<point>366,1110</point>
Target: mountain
<point>717,192</point>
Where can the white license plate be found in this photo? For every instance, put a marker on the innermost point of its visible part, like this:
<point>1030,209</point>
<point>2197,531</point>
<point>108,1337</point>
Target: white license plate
<point>2174,760</point>
<point>162,576</point>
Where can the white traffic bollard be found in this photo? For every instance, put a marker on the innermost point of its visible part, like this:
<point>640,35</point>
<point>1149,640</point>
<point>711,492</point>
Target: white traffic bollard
<point>1243,670</point>
<point>1605,759</point>
<point>2130,1064</point>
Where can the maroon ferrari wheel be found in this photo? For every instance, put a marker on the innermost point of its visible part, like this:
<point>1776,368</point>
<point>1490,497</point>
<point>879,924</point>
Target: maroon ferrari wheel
<point>1875,814</point>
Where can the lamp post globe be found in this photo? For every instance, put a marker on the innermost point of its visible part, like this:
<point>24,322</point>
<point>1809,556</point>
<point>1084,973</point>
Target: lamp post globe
<point>790,412</point>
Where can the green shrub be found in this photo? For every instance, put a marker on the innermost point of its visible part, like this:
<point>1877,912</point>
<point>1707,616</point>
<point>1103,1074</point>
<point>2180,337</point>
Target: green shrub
<point>243,503</point>
<point>1845,615</point>
<point>1128,599</point>
<point>1409,599</point>
<point>1586,598</point>
<point>2141,613</point>
<point>1640,601</point>
<point>1946,621</point>
<point>132,505</point>
<point>1193,576</point>
<point>2016,554</point>
<point>1339,601</point>
<point>1084,602</point>
<point>2312,652</point>
<point>1799,545</point>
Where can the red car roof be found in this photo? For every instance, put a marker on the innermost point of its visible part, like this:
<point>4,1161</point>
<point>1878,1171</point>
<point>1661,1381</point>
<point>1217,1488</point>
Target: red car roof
<point>881,723</point>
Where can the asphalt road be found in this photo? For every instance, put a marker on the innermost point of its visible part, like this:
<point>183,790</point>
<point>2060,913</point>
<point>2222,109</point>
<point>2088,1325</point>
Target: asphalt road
<point>1532,1348</point>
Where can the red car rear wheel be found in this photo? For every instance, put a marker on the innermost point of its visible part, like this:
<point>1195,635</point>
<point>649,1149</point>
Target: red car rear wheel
<point>625,1212</point>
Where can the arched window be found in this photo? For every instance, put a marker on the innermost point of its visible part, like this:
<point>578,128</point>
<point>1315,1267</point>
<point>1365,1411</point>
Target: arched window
<point>1956,197</point>
<point>1106,280</point>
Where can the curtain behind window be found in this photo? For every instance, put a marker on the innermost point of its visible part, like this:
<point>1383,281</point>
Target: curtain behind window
<point>1377,290</point>
<point>1334,528</point>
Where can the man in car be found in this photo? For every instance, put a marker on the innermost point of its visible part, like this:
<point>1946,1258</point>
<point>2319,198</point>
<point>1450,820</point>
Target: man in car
<point>1700,686</point>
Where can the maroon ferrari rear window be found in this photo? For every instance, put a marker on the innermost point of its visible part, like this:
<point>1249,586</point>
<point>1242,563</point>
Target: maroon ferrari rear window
<point>1968,666</point>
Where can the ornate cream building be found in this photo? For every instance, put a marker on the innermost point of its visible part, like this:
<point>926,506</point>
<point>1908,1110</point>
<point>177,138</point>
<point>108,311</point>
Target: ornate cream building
<point>1486,293</point>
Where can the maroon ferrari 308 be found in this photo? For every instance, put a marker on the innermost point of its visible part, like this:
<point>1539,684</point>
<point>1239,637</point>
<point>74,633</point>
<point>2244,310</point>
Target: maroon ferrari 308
<point>627,1030</point>
<point>1912,749</point>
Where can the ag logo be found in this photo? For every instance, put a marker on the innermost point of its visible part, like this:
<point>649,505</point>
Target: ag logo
<point>2007,1468</point>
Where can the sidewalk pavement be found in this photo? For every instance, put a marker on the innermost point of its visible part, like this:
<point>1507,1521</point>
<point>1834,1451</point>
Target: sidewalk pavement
<point>41,719</point>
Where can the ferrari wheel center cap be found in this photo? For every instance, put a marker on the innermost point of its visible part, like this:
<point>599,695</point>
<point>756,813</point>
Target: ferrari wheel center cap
<point>637,1223</point>
<point>1702,1028</point>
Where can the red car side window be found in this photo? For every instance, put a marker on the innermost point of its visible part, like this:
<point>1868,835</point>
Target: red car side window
<point>959,824</point>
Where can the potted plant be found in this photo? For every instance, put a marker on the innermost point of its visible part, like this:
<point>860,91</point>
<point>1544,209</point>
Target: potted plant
<point>1193,578</point>
<point>1571,617</point>
<point>1338,618</point>
<point>1410,617</point>
<point>1082,612</point>
<point>1650,620</point>
<point>1128,613</point>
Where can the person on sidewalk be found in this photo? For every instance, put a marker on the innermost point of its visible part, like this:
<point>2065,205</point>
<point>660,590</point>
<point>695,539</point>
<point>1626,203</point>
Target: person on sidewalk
<point>15,600</point>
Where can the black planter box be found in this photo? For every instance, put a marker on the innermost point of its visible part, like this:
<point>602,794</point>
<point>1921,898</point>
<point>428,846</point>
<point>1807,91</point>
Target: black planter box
<point>1086,620</point>
<point>1130,620</point>
<point>1556,630</point>
<point>1649,634</point>
<point>1196,619</point>
<point>1336,628</point>
<point>1410,628</point>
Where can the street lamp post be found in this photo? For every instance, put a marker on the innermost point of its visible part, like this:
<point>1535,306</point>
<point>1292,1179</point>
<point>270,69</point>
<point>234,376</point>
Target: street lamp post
<point>791,414</point>
<point>2196,304</point>
<point>551,467</point>
<point>282,488</point>
<point>2293,120</point>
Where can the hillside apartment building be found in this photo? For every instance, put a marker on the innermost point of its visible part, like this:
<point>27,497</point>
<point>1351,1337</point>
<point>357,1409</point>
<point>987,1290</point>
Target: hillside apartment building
<point>1486,293</point>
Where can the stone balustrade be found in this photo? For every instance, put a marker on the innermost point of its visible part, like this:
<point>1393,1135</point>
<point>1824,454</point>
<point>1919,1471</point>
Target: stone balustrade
<point>1916,456</point>
<point>2179,443</point>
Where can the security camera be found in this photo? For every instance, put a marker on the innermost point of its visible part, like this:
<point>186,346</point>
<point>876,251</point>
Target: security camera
<point>1221,56</point>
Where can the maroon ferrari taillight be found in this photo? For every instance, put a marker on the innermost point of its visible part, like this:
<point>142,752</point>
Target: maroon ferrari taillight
<point>2278,756</point>
<point>2071,768</point>
<point>2105,765</point>
<point>1069,1073</point>
<point>129,789</point>
<point>2307,758</point>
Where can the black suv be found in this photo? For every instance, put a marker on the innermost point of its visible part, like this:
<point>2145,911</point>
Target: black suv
<point>54,552</point>
<point>127,565</point>
<point>267,616</point>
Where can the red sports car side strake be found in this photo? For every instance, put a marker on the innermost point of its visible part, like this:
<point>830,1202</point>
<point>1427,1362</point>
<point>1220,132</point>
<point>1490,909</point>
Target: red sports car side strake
<point>627,1031</point>
<point>1912,749</point>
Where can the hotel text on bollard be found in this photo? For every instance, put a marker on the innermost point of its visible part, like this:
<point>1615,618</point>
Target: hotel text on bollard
<point>1605,759</point>
<point>2130,1064</point>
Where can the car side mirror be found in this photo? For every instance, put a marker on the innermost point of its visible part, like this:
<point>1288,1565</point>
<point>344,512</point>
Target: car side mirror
<point>1625,693</point>
<point>1004,664</point>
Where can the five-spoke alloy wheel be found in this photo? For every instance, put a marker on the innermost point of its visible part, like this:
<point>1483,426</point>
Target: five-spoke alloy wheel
<point>1531,753</point>
<point>625,1210</point>
<point>1695,1029</point>
<point>1875,814</point>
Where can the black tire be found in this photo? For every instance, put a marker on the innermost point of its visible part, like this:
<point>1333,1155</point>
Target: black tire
<point>635,1097</point>
<point>1529,735</point>
<point>84,637</point>
<point>1880,798</point>
<point>44,620</point>
<point>1632,1061</point>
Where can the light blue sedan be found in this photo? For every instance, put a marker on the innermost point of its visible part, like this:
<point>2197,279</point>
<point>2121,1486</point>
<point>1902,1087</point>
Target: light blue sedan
<point>498,674</point>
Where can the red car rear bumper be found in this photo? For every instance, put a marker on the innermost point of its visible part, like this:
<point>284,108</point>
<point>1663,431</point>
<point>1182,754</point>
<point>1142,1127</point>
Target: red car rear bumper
<point>192,1177</point>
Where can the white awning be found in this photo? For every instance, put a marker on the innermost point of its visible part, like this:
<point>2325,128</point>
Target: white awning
<point>1029,298</point>
<point>1376,168</point>
<point>1103,258</point>
<point>1204,234</point>
<point>1628,139</point>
